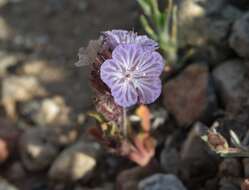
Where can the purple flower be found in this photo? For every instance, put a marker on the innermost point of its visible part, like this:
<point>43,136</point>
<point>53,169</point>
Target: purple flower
<point>133,75</point>
<point>116,37</point>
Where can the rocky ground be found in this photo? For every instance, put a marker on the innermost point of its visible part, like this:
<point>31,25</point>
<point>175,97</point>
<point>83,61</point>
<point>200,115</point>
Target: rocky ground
<point>45,98</point>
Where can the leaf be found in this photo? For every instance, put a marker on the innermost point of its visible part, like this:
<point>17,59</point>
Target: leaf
<point>144,113</point>
<point>148,28</point>
<point>88,55</point>
<point>144,4</point>
<point>144,149</point>
<point>216,142</point>
<point>245,184</point>
<point>97,116</point>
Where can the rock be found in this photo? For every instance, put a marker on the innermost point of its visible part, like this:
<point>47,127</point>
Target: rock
<point>41,69</point>
<point>9,137</point>
<point>229,78</point>
<point>198,163</point>
<point>191,22</point>
<point>211,184</point>
<point>37,150</point>
<point>4,185</point>
<point>218,31</point>
<point>76,162</point>
<point>6,61</point>
<point>63,135</point>
<point>107,186</point>
<point>159,117</point>
<point>229,184</point>
<point>3,2</point>
<point>16,171</point>
<point>169,160</point>
<point>4,151</point>
<point>242,4</point>
<point>239,39</point>
<point>190,95</point>
<point>129,179</point>
<point>246,167</point>
<point>161,182</point>
<point>18,89</point>
<point>230,167</point>
<point>231,13</point>
<point>46,111</point>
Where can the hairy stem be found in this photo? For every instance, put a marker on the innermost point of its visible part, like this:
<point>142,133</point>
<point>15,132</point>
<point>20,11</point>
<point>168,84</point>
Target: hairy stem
<point>125,127</point>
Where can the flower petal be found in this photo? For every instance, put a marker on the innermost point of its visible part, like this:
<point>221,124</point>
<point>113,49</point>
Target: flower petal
<point>110,72</point>
<point>116,37</point>
<point>146,42</point>
<point>127,55</point>
<point>125,94</point>
<point>148,90</point>
<point>152,64</point>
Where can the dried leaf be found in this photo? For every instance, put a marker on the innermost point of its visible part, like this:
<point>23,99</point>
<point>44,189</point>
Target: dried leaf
<point>245,185</point>
<point>144,149</point>
<point>216,142</point>
<point>88,55</point>
<point>106,105</point>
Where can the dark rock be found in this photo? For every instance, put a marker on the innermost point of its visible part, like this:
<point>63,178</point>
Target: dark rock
<point>169,160</point>
<point>37,150</point>
<point>9,138</point>
<point>16,171</point>
<point>246,167</point>
<point>129,179</point>
<point>230,183</point>
<point>211,184</point>
<point>239,39</point>
<point>198,163</point>
<point>190,96</point>
<point>229,78</point>
<point>218,31</point>
<point>230,167</point>
<point>161,182</point>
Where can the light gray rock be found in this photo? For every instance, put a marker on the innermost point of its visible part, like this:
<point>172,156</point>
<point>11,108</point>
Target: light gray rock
<point>46,111</point>
<point>229,78</point>
<point>161,182</point>
<point>239,39</point>
<point>19,89</point>
<point>4,185</point>
<point>75,162</point>
<point>3,2</point>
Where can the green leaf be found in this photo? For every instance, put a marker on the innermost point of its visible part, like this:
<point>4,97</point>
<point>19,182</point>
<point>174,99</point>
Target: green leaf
<point>148,28</point>
<point>97,116</point>
<point>145,5</point>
